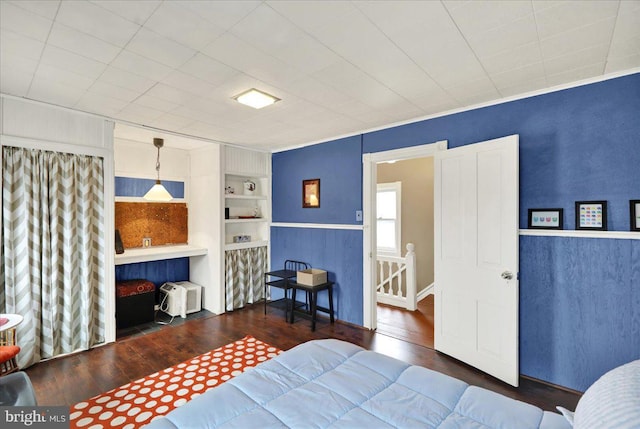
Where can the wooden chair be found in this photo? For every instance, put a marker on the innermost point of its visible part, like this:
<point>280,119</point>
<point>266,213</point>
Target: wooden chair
<point>8,352</point>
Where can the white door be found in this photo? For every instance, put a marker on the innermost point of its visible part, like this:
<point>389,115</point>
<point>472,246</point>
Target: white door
<point>476,255</point>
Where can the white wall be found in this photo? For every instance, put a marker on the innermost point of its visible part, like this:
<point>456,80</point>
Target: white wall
<point>136,159</point>
<point>205,225</point>
<point>42,126</point>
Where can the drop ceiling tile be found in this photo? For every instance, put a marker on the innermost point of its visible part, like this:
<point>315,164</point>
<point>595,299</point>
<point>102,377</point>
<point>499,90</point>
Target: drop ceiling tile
<point>17,44</point>
<point>622,63</point>
<point>309,15</point>
<point>540,5</point>
<point>393,20</point>
<point>158,48</point>
<point>13,81</point>
<point>100,104</point>
<point>569,15</point>
<point>45,8</point>
<point>96,21</point>
<point>576,74</point>
<point>518,76</point>
<point>170,121</point>
<point>236,53</point>
<point>137,64</point>
<point>625,48</point>
<point>473,88</point>
<point>312,90</point>
<point>476,17</point>
<point>82,44</point>
<point>208,69</point>
<point>577,39</point>
<point>72,62</point>
<point>47,90</point>
<point>23,22</point>
<point>64,77</point>
<point>274,35</point>
<point>484,97</point>
<point>16,73</point>
<point>176,22</point>
<point>124,79</point>
<point>101,87</point>
<point>188,83</point>
<point>169,93</point>
<point>224,14</point>
<point>513,58</point>
<point>627,22</point>
<point>593,55</point>
<point>139,114</point>
<point>147,100</point>
<point>505,37</point>
<point>524,87</point>
<point>134,11</point>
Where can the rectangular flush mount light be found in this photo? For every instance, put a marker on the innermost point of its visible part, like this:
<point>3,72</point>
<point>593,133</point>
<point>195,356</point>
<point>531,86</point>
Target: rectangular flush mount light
<point>256,99</point>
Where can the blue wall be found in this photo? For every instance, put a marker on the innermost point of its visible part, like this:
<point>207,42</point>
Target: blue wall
<point>134,187</point>
<point>577,144</point>
<point>158,272</point>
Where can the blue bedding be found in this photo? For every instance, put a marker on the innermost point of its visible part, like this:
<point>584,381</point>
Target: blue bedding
<point>332,383</point>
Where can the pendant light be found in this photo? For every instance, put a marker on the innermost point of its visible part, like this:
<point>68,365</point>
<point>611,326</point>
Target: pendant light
<point>158,192</point>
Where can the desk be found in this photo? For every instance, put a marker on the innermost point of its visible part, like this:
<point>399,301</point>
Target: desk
<point>284,279</point>
<point>312,293</point>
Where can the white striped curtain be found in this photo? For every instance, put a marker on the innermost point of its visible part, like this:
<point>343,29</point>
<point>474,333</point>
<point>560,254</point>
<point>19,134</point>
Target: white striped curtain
<point>244,276</point>
<point>51,250</point>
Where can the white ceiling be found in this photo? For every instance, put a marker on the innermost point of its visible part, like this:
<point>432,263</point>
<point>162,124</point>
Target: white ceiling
<point>339,67</point>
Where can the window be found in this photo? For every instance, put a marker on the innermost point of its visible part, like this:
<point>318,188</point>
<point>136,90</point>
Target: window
<point>388,200</point>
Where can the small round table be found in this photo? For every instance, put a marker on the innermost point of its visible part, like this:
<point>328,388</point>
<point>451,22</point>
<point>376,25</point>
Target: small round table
<point>13,320</point>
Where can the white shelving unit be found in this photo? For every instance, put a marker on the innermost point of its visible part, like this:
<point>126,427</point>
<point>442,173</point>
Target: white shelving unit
<point>242,165</point>
<point>157,253</point>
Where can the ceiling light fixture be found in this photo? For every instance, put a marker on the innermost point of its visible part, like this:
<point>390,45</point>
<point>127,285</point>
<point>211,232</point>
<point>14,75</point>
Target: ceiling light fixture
<point>158,192</point>
<point>256,99</point>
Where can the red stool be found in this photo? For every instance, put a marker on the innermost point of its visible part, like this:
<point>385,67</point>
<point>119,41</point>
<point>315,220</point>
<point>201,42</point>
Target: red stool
<point>8,363</point>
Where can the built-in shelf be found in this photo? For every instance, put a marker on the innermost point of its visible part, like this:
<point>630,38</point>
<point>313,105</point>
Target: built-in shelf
<point>257,219</point>
<point>158,253</point>
<point>245,197</point>
<point>248,245</point>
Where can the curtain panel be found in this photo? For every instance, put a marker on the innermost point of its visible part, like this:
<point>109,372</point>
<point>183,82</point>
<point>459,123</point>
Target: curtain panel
<point>244,276</point>
<point>52,243</point>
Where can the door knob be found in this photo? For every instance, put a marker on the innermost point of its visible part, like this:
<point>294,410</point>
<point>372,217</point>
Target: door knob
<point>507,275</point>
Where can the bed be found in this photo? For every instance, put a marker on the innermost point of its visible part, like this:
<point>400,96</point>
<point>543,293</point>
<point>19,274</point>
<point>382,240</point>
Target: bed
<point>332,383</point>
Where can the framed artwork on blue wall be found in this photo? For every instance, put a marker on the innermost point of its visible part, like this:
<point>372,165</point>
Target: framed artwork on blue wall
<point>311,194</point>
<point>545,218</point>
<point>591,215</point>
<point>635,215</point>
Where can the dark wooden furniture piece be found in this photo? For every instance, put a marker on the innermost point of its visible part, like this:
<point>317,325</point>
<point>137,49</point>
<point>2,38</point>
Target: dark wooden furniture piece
<point>281,279</point>
<point>135,301</point>
<point>312,296</point>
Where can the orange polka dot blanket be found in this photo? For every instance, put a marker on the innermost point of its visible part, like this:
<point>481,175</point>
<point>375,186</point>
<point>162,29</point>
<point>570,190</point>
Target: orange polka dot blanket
<point>139,402</point>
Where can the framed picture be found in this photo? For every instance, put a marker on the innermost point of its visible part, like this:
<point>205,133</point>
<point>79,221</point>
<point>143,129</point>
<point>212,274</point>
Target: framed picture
<point>311,194</point>
<point>635,214</point>
<point>545,218</point>
<point>591,215</point>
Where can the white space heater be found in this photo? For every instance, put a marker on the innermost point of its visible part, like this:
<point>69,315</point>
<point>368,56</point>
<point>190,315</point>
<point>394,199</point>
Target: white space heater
<point>180,298</point>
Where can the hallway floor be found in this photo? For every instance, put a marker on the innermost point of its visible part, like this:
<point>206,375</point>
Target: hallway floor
<point>415,327</point>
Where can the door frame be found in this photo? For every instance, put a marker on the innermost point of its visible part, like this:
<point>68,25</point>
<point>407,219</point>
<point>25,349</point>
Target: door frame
<point>369,188</point>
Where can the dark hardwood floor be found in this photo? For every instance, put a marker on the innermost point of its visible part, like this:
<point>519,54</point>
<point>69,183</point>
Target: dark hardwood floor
<point>415,327</point>
<point>71,379</point>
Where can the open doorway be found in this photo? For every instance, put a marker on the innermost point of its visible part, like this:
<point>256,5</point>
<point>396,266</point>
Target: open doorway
<point>404,230</point>
<point>372,270</point>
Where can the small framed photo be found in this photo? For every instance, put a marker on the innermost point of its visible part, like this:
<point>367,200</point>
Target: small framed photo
<point>591,215</point>
<point>311,194</point>
<point>545,218</point>
<point>635,214</point>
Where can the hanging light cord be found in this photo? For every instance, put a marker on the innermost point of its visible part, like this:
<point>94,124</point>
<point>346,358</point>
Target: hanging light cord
<point>158,165</point>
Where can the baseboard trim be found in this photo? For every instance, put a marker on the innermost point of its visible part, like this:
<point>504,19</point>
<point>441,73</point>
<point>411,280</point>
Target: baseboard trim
<point>555,386</point>
<point>425,292</point>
